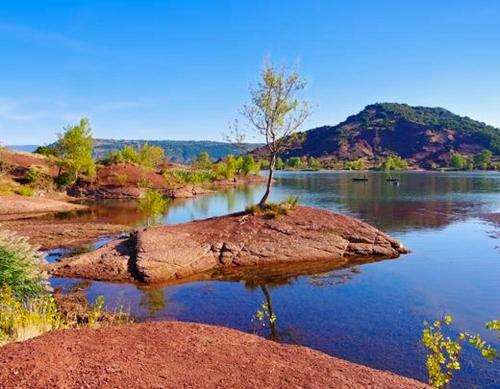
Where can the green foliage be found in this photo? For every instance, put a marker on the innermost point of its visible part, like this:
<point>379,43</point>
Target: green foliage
<point>75,148</point>
<point>151,156</point>
<point>203,161</point>
<point>444,353</point>
<point>25,191</point>
<point>437,118</point>
<point>483,159</point>
<point>394,162</point>
<point>178,151</point>
<point>20,265</point>
<point>65,179</point>
<point>264,316</point>
<point>314,163</point>
<point>459,161</point>
<point>152,205</point>
<point>294,162</point>
<point>494,326</point>
<point>274,210</point>
<point>247,165</point>
<point>145,156</point>
<point>33,175</point>
<point>96,312</point>
<point>276,113</point>
<point>359,164</point>
<point>48,151</point>
<point>182,177</point>
<point>21,320</point>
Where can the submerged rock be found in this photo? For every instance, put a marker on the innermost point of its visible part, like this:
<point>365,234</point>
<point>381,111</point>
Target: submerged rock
<point>173,252</point>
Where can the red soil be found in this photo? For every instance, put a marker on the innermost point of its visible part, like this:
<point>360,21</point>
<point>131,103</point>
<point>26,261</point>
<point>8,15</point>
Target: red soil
<point>174,355</point>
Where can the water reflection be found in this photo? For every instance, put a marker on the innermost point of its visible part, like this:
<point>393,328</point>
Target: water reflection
<point>421,201</point>
<point>373,314</point>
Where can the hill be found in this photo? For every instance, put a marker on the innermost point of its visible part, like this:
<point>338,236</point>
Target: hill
<point>177,151</point>
<point>425,136</point>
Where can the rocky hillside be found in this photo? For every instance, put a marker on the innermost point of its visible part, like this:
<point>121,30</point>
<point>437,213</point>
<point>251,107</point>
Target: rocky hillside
<point>425,136</point>
<point>177,151</point>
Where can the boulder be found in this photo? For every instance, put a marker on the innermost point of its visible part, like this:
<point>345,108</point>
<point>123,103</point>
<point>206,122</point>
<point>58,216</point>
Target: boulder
<point>172,252</point>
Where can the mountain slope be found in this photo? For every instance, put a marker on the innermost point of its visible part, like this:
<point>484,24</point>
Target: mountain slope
<point>423,135</point>
<point>177,151</point>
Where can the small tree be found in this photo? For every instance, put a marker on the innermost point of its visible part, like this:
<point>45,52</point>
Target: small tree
<point>276,113</point>
<point>458,161</point>
<point>203,161</point>
<point>75,147</point>
<point>247,165</point>
<point>151,156</point>
<point>483,159</point>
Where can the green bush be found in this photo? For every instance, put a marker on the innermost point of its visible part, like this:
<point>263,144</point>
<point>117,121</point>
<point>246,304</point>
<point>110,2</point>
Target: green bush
<point>65,179</point>
<point>20,265</point>
<point>359,164</point>
<point>22,320</point>
<point>25,191</point>
<point>33,175</point>
<point>394,162</point>
<point>188,176</point>
<point>273,210</point>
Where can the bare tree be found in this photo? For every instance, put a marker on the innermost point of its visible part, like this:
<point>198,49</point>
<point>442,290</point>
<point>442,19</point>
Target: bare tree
<point>276,113</point>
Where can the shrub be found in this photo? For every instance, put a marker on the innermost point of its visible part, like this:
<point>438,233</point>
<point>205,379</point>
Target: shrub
<point>20,265</point>
<point>394,162</point>
<point>33,175</point>
<point>21,320</point>
<point>203,161</point>
<point>188,176</point>
<point>444,353</point>
<point>65,179</point>
<point>458,161</point>
<point>355,165</point>
<point>273,210</point>
<point>25,191</point>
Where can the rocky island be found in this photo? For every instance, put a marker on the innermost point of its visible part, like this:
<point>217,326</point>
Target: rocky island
<point>172,252</point>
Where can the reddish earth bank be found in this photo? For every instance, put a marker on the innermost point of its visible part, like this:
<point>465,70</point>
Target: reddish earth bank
<point>18,206</point>
<point>174,355</point>
<point>173,252</point>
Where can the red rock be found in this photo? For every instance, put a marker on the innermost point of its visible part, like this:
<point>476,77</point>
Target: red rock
<point>173,252</point>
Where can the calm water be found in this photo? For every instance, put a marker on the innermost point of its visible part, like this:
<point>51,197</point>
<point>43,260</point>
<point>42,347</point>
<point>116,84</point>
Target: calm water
<point>372,313</point>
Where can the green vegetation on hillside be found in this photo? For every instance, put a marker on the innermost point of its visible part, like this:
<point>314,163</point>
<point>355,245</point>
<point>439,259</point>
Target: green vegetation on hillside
<point>146,156</point>
<point>178,151</point>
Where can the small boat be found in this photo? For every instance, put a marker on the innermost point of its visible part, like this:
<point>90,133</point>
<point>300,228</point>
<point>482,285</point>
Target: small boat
<point>361,179</point>
<point>392,179</point>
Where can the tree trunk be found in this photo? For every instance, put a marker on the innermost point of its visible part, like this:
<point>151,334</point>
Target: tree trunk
<point>272,163</point>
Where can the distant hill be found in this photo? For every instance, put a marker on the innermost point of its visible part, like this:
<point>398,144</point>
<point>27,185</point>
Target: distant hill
<point>25,148</point>
<point>177,151</point>
<point>423,135</point>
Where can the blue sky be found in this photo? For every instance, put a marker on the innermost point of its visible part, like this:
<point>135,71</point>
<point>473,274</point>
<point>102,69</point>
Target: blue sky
<point>181,69</point>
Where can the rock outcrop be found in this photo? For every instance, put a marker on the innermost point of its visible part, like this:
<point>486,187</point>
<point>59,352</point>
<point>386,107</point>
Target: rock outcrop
<point>172,252</point>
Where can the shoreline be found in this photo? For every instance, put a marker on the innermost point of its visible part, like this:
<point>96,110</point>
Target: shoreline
<point>178,354</point>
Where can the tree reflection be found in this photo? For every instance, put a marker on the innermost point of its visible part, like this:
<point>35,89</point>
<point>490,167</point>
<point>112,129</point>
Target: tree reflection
<point>154,300</point>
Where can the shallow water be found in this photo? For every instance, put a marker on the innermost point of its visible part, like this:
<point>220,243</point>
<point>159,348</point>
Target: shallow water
<point>372,313</point>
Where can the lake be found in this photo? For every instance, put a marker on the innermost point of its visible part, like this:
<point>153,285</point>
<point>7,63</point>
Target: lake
<point>371,313</point>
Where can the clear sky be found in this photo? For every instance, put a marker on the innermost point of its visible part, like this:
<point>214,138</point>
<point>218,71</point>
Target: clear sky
<point>181,69</point>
